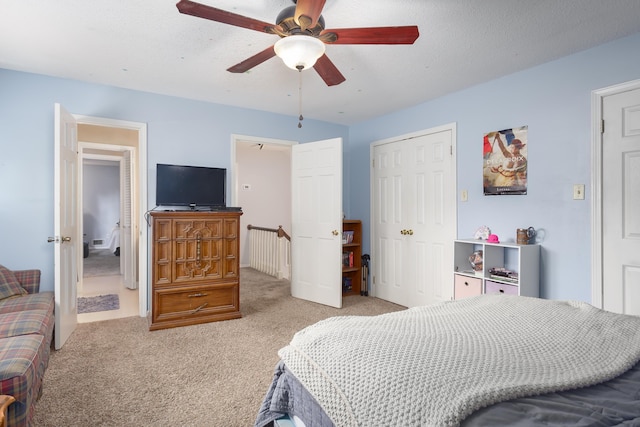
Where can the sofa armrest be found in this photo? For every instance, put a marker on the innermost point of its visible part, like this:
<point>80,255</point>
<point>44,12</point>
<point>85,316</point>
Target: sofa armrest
<point>5,401</point>
<point>29,280</point>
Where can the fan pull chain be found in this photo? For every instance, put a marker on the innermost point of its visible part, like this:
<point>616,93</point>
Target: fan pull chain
<point>300,118</point>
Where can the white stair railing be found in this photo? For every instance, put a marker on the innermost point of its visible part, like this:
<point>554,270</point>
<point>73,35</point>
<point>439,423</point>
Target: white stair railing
<point>270,251</point>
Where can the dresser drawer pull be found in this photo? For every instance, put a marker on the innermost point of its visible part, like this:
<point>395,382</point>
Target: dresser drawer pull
<point>200,308</point>
<point>197,295</point>
<point>198,250</point>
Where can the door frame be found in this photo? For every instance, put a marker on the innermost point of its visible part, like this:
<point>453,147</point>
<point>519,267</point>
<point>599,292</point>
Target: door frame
<point>141,165</point>
<point>454,172</point>
<point>597,97</point>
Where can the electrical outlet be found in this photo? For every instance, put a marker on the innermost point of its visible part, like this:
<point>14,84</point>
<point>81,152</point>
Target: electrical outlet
<point>246,186</point>
<point>578,191</point>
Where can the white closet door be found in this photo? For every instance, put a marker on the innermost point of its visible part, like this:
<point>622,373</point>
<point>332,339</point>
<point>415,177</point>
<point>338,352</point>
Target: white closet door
<point>435,217</point>
<point>388,245</point>
<point>413,218</point>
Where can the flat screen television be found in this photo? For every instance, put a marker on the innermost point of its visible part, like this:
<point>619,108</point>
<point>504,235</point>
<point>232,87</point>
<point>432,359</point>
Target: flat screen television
<point>193,186</point>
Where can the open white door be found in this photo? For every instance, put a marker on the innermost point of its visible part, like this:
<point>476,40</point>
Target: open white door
<point>127,235</point>
<point>66,234</point>
<point>316,222</point>
<point>621,202</point>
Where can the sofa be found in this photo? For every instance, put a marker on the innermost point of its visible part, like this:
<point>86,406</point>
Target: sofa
<point>26,332</point>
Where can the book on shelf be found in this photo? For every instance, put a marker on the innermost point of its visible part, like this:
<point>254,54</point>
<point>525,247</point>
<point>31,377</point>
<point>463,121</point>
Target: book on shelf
<point>347,259</point>
<point>346,284</point>
<point>502,272</point>
<point>504,278</point>
<point>347,237</point>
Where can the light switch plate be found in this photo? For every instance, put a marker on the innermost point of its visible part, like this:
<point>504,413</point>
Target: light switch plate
<point>578,191</point>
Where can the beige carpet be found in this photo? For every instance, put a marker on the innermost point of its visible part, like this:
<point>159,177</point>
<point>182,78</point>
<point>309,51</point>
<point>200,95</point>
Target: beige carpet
<point>101,262</point>
<point>117,373</point>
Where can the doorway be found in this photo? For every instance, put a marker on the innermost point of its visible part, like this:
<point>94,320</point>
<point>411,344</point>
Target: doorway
<point>104,291</point>
<point>275,200</point>
<point>260,185</point>
<point>121,145</point>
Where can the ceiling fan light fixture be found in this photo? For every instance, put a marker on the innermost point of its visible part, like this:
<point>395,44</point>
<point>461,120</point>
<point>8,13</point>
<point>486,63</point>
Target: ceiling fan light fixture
<point>299,51</point>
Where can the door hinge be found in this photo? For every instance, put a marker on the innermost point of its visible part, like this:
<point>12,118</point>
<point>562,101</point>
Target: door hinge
<point>373,163</point>
<point>451,150</point>
<point>602,126</point>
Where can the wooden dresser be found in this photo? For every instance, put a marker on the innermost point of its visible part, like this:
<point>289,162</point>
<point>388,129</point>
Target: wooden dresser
<point>196,269</point>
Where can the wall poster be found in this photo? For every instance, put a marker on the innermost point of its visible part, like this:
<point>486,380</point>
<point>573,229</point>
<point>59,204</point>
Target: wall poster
<point>505,162</point>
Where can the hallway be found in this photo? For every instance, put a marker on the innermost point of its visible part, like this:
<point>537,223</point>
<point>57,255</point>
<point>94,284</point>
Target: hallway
<point>104,285</point>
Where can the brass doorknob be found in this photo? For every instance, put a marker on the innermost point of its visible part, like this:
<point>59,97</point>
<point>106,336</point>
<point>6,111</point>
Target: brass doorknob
<point>410,232</point>
<point>57,239</point>
<point>335,232</point>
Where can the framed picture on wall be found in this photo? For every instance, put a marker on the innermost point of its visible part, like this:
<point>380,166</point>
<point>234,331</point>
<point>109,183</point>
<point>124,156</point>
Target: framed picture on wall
<point>505,161</point>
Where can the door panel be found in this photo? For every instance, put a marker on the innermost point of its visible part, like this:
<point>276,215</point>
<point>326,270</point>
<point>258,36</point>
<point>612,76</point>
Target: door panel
<point>65,225</point>
<point>316,235</point>
<point>413,218</point>
<point>621,202</point>
<point>128,253</point>
<point>388,187</point>
<point>442,225</point>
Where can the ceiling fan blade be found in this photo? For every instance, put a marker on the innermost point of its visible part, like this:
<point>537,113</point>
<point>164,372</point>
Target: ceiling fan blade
<point>328,71</point>
<point>251,62</point>
<point>310,10</point>
<point>372,35</point>
<point>207,12</point>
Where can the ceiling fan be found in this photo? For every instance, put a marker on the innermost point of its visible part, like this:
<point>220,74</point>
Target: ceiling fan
<point>305,24</point>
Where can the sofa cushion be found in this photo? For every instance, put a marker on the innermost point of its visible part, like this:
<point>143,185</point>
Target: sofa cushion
<point>39,301</point>
<point>24,323</point>
<point>9,284</point>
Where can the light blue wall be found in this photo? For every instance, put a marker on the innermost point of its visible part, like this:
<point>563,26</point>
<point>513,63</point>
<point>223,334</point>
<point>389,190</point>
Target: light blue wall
<point>180,131</point>
<point>554,100</point>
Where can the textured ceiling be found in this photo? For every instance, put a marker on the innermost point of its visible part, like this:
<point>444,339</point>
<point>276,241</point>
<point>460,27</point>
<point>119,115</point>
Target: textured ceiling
<point>148,45</point>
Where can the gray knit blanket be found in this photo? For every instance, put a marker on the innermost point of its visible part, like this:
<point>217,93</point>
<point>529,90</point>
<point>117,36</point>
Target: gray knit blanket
<point>435,365</point>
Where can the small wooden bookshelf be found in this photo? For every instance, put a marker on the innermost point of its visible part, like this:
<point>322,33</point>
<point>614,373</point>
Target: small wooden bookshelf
<point>351,257</point>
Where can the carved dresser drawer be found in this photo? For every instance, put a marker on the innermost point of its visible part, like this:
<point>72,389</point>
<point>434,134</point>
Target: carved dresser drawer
<point>186,304</point>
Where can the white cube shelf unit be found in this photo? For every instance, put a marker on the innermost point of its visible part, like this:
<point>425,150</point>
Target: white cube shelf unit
<point>522,259</point>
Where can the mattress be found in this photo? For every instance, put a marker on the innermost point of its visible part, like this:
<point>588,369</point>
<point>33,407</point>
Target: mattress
<point>486,360</point>
<point>613,403</point>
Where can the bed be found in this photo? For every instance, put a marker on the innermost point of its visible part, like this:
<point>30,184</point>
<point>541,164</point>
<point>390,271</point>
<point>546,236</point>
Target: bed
<point>486,360</point>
